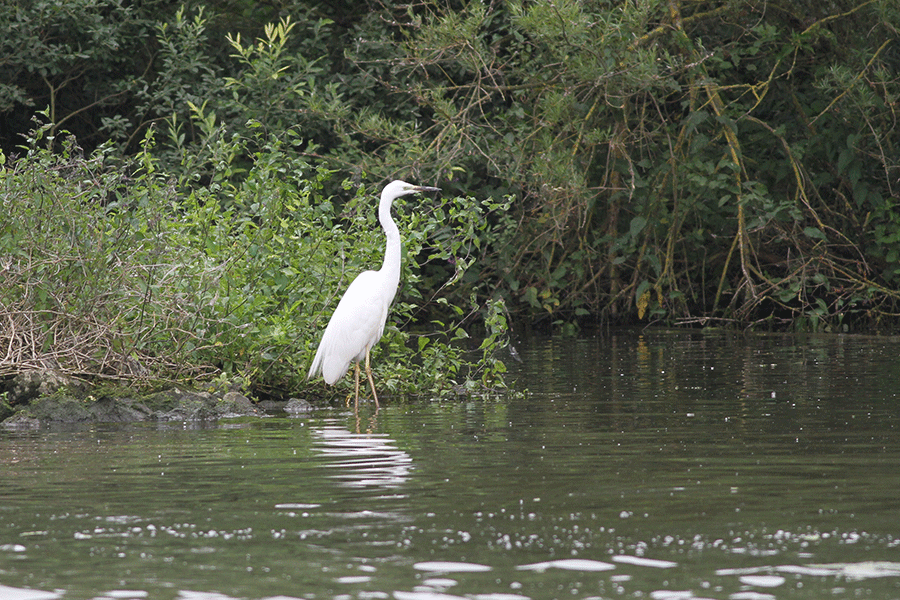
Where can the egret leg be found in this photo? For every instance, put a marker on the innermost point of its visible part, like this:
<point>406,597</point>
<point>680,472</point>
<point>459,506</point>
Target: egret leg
<point>350,395</point>
<point>371,381</point>
<point>356,400</point>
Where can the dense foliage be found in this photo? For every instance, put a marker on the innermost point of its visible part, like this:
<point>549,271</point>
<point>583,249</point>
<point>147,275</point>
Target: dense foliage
<point>694,162</point>
<point>110,271</point>
<point>670,161</point>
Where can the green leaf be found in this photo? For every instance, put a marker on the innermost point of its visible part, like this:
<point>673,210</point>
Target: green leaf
<point>814,232</point>
<point>637,225</point>
<point>641,288</point>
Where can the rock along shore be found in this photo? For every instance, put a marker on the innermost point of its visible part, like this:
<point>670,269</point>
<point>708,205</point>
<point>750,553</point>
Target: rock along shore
<point>36,398</point>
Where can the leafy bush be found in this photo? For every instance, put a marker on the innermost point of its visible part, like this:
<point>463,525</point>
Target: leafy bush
<point>110,272</point>
<point>668,161</point>
<point>672,161</point>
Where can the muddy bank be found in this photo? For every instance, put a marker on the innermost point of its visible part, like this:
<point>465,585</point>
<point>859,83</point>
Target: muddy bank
<point>38,398</point>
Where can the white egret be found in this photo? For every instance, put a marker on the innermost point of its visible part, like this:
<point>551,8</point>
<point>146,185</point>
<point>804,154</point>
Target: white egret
<point>358,321</point>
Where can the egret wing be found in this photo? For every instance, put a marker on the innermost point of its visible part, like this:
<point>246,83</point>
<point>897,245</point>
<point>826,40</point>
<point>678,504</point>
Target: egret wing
<point>355,326</point>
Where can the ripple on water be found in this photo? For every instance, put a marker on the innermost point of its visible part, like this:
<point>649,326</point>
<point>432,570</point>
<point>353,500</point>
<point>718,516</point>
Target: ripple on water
<point>640,561</point>
<point>426,595</point>
<point>450,567</point>
<point>850,571</point>
<point>767,581</point>
<point>568,564</point>
<point>13,593</point>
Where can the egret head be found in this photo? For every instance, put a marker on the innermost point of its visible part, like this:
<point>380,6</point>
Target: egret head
<point>398,188</point>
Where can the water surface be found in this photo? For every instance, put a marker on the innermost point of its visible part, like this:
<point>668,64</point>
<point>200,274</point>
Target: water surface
<point>663,465</point>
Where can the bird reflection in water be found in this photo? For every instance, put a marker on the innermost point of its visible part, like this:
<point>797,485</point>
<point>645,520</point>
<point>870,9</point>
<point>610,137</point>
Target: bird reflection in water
<point>363,460</point>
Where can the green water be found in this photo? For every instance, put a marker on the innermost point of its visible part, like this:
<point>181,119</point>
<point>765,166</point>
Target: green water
<point>640,465</point>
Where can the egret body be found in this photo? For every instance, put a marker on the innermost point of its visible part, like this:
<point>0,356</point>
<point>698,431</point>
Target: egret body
<point>358,321</point>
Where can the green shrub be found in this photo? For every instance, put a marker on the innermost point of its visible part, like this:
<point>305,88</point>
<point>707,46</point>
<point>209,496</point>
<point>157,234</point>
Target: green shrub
<point>110,272</point>
<point>670,161</point>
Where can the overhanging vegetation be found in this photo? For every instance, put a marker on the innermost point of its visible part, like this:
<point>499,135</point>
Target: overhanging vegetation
<point>192,197</point>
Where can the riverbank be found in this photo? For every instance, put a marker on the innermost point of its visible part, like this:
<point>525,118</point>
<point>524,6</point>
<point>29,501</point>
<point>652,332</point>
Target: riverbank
<point>36,398</point>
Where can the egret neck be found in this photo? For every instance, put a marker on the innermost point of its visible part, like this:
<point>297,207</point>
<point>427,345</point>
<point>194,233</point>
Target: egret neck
<point>390,268</point>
